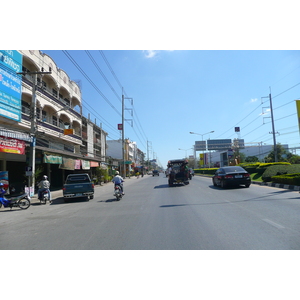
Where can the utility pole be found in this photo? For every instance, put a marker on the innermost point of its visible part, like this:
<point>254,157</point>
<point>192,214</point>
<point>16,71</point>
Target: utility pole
<point>123,172</point>
<point>273,128</point>
<point>33,129</point>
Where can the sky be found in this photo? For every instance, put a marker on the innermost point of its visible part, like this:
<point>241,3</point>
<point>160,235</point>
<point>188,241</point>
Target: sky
<point>216,62</point>
<point>221,66</point>
<point>170,93</point>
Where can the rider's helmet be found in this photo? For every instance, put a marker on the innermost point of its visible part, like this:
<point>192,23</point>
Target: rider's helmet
<point>117,173</point>
<point>45,177</point>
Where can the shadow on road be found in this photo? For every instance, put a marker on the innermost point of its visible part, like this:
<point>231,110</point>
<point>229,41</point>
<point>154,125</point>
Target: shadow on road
<point>109,200</point>
<point>163,186</point>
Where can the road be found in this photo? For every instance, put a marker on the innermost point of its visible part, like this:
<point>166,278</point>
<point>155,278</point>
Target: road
<point>154,216</point>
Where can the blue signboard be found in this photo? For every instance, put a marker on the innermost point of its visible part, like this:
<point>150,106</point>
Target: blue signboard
<point>10,84</point>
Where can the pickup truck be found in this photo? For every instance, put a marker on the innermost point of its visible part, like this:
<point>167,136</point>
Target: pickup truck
<point>78,185</point>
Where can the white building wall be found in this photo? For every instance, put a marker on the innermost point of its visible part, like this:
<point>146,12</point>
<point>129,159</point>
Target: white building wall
<point>114,149</point>
<point>90,140</point>
<point>259,151</point>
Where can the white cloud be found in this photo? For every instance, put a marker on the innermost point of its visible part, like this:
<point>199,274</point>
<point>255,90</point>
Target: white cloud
<point>150,53</point>
<point>253,100</point>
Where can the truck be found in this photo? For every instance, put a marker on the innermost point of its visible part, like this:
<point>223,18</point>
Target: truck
<point>178,172</point>
<point>77,186</point>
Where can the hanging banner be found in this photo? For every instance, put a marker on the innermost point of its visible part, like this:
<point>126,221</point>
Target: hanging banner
<point>52,159</point>
<point>67,164</point>
<point>298,112</point>
<point>77,164</point>
<point>85,164</point>
<point>10,145</point>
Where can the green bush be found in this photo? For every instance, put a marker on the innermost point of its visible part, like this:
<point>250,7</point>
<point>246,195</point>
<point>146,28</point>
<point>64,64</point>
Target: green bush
<point>293,179</point>
<point>282,169</point>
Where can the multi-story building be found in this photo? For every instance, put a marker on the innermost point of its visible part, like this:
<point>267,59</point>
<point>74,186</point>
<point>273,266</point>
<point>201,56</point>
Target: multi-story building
<point>58,107</point>
<point>133,156</point>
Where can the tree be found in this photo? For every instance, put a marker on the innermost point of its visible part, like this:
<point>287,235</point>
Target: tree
<point>293,158</point>
<point>251,159</point>
<point>282,154</point>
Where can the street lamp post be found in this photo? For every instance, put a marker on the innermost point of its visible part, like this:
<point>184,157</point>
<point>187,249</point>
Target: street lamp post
<point>185,151</point>
<point>202,134</point>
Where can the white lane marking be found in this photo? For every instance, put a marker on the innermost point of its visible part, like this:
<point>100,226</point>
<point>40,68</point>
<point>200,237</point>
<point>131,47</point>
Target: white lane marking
<point>273,223</point>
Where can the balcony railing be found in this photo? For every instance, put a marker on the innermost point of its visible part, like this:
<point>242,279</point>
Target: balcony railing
<point>49,94</point>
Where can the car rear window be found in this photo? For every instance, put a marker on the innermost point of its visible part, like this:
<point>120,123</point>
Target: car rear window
<point>77,179</point>
<point>234,169</point>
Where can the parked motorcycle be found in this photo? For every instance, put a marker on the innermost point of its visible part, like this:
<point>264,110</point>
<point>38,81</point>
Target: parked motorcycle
<point>118,194</point>
<point>22,201</point>
<point>44,197</point>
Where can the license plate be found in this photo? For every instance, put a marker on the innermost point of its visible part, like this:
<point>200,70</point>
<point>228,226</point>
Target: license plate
<point>238,176</point>
<point>79,194</point>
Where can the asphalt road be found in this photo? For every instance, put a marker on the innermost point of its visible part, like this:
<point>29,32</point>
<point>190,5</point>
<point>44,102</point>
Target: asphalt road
<point>154,216</point>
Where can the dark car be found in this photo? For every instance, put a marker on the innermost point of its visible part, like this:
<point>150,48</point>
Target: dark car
<point>155,173</point>
<point>230,176</point>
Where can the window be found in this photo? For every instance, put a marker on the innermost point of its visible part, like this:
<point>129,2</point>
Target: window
<point>61,124</point>
<point>54,93</point>
<point>38,113</point>
<point>25,108</point>
<point>54,121</point>
<point>44,116</point>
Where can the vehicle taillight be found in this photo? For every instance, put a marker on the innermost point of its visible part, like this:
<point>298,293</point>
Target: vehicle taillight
<point>228,176</point>
<point>247,175</point>
<point>93,185</point>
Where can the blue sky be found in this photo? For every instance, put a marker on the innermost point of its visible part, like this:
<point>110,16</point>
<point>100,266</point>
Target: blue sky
<point>175,92</point>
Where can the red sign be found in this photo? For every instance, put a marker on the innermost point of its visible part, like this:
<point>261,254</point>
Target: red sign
<point>120,126</point>
<point>10,145</point>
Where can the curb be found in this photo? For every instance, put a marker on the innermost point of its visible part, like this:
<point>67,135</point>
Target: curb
<point>279,185</point>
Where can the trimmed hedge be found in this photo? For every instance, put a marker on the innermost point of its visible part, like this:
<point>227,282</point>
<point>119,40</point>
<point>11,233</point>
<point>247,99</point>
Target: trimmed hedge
<point>279,170</point>
<point>292,179</point>
<point>208,171</point>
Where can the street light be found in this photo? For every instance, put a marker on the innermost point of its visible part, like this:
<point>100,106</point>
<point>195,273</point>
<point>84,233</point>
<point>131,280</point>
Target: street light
<point>202,134</point>
<point>185,151</point>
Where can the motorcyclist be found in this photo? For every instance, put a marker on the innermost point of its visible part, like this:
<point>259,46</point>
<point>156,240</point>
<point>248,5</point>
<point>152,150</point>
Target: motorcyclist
<point>118,180</point>
<point>44,185</point>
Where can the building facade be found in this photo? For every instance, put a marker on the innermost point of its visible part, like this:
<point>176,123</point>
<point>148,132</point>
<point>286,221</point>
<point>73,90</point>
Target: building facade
<point>48,104</point>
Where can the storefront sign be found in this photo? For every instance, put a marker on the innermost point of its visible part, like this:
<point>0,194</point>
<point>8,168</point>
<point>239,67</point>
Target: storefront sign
<point>10,84</point>
<point>68,131</point>
<point>94,164</point>
<point>10,145</point>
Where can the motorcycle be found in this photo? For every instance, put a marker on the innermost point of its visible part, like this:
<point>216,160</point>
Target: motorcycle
<point>118,194</point>
<point>44,197</point>
<point>22,201</point>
